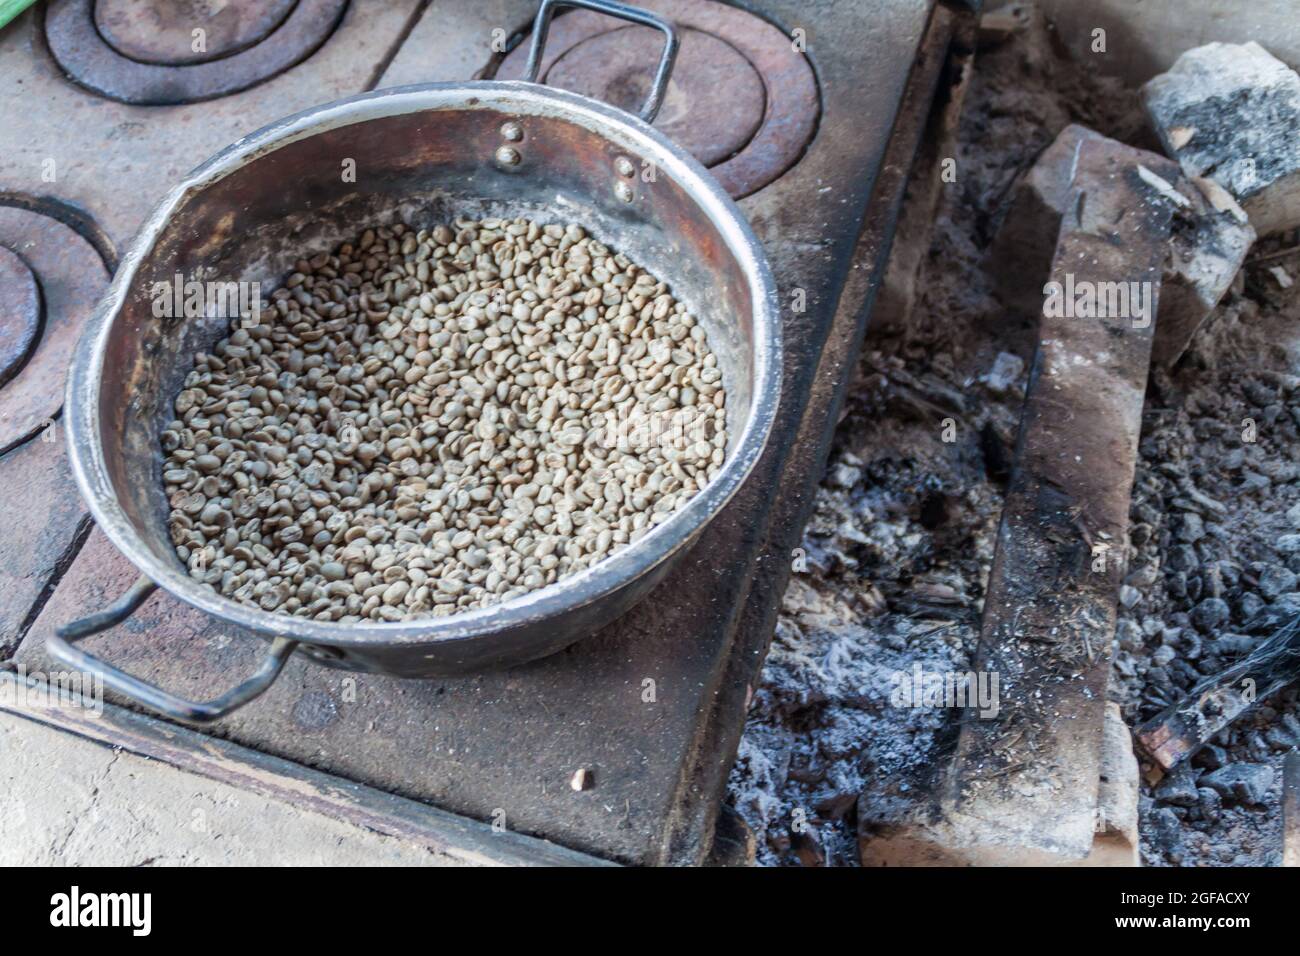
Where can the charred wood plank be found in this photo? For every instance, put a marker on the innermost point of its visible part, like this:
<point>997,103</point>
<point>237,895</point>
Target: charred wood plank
<point>1023,784</point>
<point>1186,725</point>
<point>1050,612</point>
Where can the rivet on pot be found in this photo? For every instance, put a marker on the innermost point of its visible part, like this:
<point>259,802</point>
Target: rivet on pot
<point>623,166</point>
<point>623,191</point>
<point>512,131</point>
<point>508,156</point>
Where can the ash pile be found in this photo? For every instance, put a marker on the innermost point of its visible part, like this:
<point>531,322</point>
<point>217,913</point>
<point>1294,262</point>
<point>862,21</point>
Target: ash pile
<point>1087,526</point>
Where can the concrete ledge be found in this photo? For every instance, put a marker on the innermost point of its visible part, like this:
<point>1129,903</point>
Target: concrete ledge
<point>87,783</point>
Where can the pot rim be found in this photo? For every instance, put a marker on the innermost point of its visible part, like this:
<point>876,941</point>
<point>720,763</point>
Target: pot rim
<point>590,585</point>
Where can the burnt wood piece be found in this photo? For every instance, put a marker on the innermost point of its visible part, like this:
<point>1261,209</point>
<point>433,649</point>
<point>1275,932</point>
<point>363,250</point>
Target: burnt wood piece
<point>1185,726</point>
<point>1050,611</point>
<point>1023,783</point>
<point>1210,238</point>
<point>512,740</point>
<point>1049,615</point>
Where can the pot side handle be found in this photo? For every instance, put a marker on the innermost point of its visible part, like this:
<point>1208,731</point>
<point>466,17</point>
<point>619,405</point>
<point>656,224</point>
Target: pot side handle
<point>658,89</point>
<point>155,698</point>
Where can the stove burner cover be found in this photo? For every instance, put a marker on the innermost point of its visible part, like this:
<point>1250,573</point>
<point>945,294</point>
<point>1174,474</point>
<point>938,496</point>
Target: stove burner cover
<point>20,313</point>
<point>618,67</point>
<point>163,33</point>
<point>50,279</point>
<point>140,51</point>
<point>741,99</point>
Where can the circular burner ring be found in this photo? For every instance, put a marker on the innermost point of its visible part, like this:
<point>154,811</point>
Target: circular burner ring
<point>71,276</point>
<point>162,33</point>
<point>90,60</point>
<point>618,67</point>
<point>20,313</point>
<point>791,109</point>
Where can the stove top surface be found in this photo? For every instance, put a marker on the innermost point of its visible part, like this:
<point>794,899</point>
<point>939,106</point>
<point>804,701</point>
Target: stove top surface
<point>792,104</point>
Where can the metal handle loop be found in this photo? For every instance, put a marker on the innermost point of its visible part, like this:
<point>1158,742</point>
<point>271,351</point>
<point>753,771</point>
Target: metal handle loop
<point>658,89</point>
<point>155,698</point>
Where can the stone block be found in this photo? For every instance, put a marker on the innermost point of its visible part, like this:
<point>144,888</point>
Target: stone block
<point>1231,113</point>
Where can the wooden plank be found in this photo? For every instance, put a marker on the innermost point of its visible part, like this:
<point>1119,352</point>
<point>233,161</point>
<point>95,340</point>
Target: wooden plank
<point>1023,784</point>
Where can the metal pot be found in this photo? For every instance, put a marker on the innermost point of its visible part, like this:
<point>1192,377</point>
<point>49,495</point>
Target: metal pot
<point>423,154</point>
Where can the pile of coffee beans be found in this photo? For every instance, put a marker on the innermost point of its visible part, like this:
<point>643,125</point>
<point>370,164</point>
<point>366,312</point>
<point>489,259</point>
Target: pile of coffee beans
<point>425,422</point>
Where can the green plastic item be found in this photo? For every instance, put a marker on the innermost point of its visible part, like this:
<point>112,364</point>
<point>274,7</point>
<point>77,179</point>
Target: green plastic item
<point>11,8</point>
